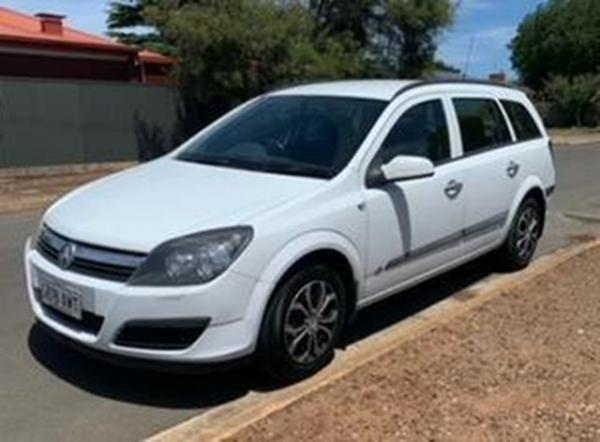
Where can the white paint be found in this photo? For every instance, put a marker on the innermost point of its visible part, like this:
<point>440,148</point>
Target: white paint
<point>405,167</point>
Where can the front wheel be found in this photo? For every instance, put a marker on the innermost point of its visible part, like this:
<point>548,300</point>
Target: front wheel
<point>303,323</point>
<point>525,232</point>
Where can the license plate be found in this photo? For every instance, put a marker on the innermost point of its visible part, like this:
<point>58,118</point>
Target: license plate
<point>61,298</point>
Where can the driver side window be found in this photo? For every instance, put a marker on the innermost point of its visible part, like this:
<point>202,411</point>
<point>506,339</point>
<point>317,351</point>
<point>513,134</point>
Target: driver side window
<point>421,131</point>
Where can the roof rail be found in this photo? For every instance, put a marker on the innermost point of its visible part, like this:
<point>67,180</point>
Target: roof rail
<point>424,83</point>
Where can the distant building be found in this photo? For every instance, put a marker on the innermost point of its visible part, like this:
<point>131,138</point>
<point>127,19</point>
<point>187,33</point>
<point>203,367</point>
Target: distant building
<point>499,77</point>
<point>41,46</point>
<point>443,75</point>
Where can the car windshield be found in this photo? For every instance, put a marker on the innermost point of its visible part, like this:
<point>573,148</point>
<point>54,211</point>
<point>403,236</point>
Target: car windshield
<point>293,135</point>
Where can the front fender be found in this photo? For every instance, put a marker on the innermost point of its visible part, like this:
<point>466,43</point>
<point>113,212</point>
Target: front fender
<point>308,243</point>
<point>290,254</point>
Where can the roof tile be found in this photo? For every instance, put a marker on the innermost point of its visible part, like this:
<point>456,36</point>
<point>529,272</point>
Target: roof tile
<point>22,28</point>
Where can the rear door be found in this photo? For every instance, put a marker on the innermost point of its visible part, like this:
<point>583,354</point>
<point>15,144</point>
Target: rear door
<point>490,174</point>
<point>531,153</point>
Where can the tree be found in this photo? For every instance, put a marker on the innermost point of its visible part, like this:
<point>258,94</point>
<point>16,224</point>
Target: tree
<point>352,17</point>
<point>399,36</point>
<point>441,69</point>
<point>127,23</point>
<point>414,26</point>
<point>562,37</point>
<point>231,50</point>
<point>396,37</point>
<point>575,99</point>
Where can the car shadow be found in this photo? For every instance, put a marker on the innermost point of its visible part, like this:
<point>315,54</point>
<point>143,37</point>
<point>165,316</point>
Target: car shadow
<point>189,391</point>
<point>144,387</point>
<point>397,308</point>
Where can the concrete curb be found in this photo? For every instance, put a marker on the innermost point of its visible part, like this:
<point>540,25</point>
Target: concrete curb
<point>576,144</point>
<point>575,137</point>
<point>584,217</point>
<point>227,420</point>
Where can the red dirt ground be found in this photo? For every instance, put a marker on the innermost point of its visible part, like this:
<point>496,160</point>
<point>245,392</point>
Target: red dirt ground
<point>37,189</point>
<point>525,366</point>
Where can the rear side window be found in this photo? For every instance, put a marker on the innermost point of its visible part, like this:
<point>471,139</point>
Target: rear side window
<point>522,121</point>
<point>482,124</point>
<point>421,131</point>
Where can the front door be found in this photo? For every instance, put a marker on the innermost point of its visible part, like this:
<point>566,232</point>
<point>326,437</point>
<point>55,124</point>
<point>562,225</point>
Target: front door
<point>414,226</point>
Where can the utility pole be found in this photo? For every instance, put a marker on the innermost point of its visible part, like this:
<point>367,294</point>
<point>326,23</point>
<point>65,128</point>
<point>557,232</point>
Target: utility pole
<point>468,60</point>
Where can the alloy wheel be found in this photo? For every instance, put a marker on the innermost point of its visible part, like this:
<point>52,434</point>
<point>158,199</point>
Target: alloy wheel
<point>311,322</point>
<point>528,232</point>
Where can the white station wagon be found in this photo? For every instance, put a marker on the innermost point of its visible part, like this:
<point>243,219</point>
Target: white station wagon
<point>266,232</point>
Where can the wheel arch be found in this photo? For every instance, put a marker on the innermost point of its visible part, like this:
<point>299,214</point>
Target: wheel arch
<point>329,247</point>
<point>335,260</point>
<point>538,194</point>
<point>531,187</point>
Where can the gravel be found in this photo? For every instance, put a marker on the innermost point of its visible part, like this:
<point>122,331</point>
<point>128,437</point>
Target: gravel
<point>524,366</point>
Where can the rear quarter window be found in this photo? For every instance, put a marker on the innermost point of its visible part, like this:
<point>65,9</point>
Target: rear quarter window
<point>522,121</point>
<point>482,125</point>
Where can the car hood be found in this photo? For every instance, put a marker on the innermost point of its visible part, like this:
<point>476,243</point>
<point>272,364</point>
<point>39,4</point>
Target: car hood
<point>145,206</point>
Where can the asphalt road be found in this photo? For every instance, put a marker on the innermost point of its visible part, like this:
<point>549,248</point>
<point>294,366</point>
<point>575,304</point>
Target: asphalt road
<point>50,393</point>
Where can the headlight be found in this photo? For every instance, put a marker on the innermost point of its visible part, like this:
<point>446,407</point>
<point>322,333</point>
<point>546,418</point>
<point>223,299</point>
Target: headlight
<point>194,259</point>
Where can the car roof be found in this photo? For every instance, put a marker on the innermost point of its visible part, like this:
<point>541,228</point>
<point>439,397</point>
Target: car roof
<point>369,89</point>
<point>385,90</point>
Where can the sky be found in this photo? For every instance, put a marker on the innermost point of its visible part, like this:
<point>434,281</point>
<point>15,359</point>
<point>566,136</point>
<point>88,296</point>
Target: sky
<point>489,25</point>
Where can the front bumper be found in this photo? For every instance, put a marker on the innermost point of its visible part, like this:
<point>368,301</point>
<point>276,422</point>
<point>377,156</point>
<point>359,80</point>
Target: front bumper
<point>226,301</point>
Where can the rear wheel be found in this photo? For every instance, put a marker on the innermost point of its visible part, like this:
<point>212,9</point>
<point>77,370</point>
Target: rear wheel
<point>303,323</point>
<point>526,230</point>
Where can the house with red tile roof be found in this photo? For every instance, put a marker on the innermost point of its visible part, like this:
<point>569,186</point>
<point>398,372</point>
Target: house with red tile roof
<point>41,46</point>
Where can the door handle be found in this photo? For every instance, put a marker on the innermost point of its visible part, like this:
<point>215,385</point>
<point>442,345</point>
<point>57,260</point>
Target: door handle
<point>513,169</point>
<point>453,189</point>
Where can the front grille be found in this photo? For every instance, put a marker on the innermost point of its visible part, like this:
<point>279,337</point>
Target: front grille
<point>89,323</point>
<point>100,262</point>
<point>176,334</point>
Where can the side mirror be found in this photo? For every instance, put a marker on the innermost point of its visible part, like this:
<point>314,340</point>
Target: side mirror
<point>406,167</point>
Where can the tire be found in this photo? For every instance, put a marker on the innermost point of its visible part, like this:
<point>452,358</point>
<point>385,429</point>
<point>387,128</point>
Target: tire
<point>293,341</point>
<point>526,229</point>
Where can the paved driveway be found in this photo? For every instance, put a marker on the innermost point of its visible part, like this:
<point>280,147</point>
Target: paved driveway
<point>49,393</point>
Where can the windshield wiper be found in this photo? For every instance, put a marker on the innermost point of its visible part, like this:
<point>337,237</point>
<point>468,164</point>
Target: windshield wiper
<point>303,170</point>
<point>270,167</point>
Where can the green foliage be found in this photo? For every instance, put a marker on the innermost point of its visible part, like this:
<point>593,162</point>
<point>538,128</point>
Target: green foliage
<point>243,47</point>
<point>562,37</point>
<point>394,37</point>
<point>399,36</point>
<point>575,101</point>
<point>127,15</point>
<point>231,50</point>
<point>441,67</point>
<point>354,18</point>
<point>234,50</point>
<point>414,26</point>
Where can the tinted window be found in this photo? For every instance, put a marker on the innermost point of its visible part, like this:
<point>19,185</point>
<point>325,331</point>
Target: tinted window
<point>482,124</point>
<point>421,131</point>
<point>522,121</point>
<point>311,136</point>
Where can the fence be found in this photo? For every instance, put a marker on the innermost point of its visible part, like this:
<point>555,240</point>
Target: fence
<point>49,122</point>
